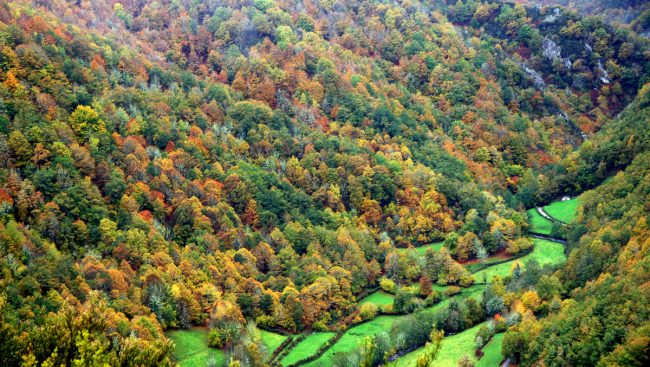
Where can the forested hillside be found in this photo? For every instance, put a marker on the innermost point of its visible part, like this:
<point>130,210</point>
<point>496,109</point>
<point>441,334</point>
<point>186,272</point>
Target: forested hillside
<point>250,166</point>
<point>634,14</point>
<point>606,321</point>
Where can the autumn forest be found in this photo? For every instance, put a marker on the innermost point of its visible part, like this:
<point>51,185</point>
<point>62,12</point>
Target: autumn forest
<point>365,183</point>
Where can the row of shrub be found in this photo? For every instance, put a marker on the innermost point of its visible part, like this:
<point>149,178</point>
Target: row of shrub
<point>487,332</point>
<point>486,265</point>
<point>283,349</point>
<point>323,348</point>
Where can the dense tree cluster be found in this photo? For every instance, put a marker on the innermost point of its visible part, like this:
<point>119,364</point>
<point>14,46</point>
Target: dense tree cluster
<point>633,14</point>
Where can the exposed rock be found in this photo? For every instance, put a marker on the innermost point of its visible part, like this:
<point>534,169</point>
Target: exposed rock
<point>550,49</point>
<point>553,52</point>
<point>602,73</point>
<point>551,18</point>
<point>538,81</point>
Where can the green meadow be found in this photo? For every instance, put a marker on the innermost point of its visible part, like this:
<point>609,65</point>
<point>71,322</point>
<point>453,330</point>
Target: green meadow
<point>477,266</point>
<point>453,348</point>
<point>564,211</point>
<point>545,252</point>
<point>191,348</point>
<point>306,348</point>
<point>271,340</point>
<point>539,224</point>
<point>379,298</point>
<point>492,356</point>
<point>355,335</point>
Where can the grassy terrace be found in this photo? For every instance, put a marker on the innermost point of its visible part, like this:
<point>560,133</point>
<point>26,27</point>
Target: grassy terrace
<point>379,298</point>
<point>192,348</point>
<point>351,339</point>
<point>271,340</point>
<point>454,347</point>
<point>492,356</point>
<point>306,347</point>
<point>539,224</point>
<point>355,335</point>
<point>564,211</point>
<point>545,252</point>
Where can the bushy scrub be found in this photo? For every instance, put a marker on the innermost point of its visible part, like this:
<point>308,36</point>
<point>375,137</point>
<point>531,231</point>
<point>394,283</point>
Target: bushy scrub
<point>368,311</point>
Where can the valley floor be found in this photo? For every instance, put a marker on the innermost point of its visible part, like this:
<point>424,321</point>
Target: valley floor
<point>192,349</point>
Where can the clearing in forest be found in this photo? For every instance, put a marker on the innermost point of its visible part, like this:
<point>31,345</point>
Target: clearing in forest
<point>564,211</point>
<point>307,347</point>
<point>453,348</point>
<point>192,348</point>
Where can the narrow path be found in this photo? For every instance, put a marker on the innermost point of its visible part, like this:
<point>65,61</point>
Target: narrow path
<point>544,214</point>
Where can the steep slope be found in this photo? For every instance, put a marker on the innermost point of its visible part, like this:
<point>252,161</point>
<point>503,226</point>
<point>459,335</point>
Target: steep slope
<point>634,14</point>
<point>165,164</point>
<point>606,319</point>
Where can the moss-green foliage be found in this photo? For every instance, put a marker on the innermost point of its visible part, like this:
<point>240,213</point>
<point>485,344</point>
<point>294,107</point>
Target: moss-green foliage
<point>307,347</point>
<point>564,211</point>
<point>453,349</point>
<point>192,348</point>
<point>545,252</point>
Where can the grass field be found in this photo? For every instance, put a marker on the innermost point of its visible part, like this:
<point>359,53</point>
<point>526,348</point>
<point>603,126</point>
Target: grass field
<point>539,224</point>
<point>192,348</point>
<point>271,340</point>
<point>306,348</point>
<point>422,249</point>
<point>492,356</point>
<point>453,349</point>
<point>354,336</point>
<point>379,298</point>
<point>545,252</point>
<point>564,211</point>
